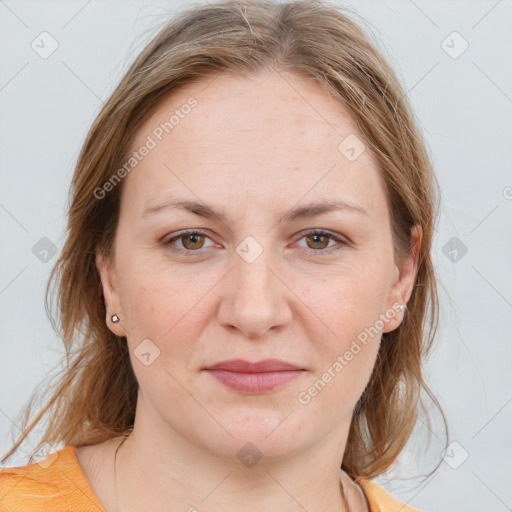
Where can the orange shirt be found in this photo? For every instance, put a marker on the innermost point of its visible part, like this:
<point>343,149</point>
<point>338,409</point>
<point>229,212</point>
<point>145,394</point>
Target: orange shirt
<point>58,484</point>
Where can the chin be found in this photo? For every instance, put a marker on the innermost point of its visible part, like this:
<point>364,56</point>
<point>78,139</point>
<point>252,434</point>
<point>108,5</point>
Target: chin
<point>260,434</point>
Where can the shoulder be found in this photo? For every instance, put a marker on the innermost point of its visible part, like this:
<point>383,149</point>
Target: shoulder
<point>50,485</point>
<point>380,500</point>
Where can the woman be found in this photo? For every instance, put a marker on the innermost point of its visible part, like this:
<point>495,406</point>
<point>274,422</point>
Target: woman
<point>247,265</point>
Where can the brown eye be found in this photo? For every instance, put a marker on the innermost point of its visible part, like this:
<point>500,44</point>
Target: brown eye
<point>318,241</point>
<point>192,241</point>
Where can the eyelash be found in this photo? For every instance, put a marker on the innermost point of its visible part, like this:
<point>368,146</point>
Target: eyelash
<point>313,232</point>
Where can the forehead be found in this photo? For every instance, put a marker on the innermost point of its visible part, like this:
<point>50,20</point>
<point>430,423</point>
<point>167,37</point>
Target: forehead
<point>270,136</point>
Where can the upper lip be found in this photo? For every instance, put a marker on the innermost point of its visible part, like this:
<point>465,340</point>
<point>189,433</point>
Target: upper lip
<point>265,365</point>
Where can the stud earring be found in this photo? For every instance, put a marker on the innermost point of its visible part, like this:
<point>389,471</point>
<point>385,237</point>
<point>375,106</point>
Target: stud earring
<point>402,308</point>
<point>114,319</point>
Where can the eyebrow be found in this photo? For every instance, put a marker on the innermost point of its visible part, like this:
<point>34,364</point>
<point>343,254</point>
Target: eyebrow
<point>301,212</point>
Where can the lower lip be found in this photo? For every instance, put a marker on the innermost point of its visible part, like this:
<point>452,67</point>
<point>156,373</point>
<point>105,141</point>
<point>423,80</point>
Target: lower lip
<point>255,382</point>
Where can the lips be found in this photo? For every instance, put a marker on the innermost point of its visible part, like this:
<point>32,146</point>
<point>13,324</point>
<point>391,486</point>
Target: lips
<point>266,365</point>
<point>254,378</point>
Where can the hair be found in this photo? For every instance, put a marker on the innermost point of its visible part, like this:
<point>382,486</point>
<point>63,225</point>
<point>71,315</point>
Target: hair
<point>94,398</point>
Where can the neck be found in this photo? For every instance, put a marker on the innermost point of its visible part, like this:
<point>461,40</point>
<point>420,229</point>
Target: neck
<point>166,472</point>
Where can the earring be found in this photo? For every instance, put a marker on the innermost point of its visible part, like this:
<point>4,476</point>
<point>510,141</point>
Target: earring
<point>114,319</point>
<point>402,308</point>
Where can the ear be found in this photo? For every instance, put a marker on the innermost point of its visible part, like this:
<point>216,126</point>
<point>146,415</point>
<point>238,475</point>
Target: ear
<point>111,294</point>
<point>403,283</point>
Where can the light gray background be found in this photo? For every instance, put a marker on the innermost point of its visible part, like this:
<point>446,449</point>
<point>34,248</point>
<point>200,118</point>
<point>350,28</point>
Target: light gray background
<point>464,105</point>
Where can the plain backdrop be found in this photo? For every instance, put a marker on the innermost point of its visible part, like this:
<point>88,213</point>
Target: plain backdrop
<point>455,61</point>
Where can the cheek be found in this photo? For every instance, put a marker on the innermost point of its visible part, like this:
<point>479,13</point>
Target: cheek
<point>159,300</point>
<point>349,295</point>
<point>346,351</point>
<point>349,304</point>
<point>164,310</point>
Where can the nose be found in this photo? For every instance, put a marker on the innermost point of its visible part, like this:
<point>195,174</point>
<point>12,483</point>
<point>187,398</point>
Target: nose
<point>256,299</point>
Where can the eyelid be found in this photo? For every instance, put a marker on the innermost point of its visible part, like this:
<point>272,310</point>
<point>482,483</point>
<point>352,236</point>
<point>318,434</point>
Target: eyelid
<point>323,232</point>
<point>167,241</point>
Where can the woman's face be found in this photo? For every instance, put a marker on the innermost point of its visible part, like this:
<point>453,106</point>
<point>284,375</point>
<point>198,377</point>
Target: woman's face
<point>266,154</point>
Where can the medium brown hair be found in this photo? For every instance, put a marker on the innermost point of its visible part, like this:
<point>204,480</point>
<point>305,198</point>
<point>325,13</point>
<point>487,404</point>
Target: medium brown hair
<point>95,396</point>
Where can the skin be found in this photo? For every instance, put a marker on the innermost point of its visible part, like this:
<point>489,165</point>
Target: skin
<point>253,148</point>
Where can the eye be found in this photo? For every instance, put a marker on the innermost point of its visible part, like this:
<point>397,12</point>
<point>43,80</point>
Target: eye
<point>319,240</point>
<point>193,241</point>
